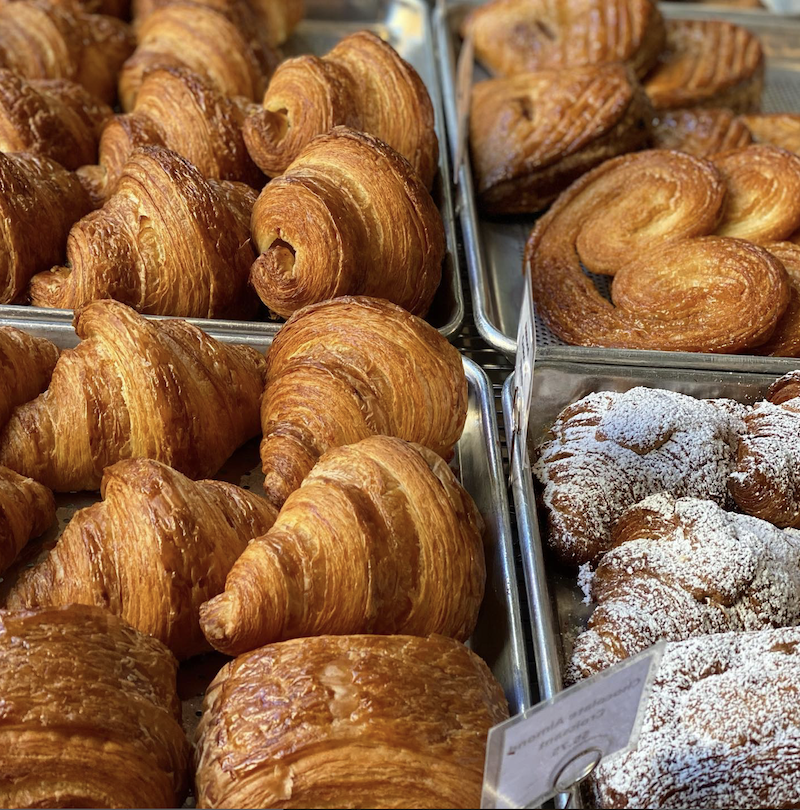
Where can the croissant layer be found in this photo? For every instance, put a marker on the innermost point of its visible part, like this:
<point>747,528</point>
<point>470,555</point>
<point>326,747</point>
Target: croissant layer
<point>26,510</point>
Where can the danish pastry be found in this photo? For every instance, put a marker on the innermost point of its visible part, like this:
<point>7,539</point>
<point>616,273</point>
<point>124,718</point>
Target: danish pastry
<point>785,340</point>
<point>700,131</point>
<point>781,129</point>
<point>26,510</point>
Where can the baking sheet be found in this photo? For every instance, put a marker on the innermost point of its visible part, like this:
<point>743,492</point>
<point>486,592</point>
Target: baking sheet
<point>406,25</point>
<point>495,247</point>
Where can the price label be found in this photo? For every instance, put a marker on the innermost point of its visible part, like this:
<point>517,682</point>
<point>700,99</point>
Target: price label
<point>523,372</point>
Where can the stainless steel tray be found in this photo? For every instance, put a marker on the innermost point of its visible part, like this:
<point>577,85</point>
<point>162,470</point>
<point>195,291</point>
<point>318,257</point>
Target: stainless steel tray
<point>406,25</point>
<point>495,247</point>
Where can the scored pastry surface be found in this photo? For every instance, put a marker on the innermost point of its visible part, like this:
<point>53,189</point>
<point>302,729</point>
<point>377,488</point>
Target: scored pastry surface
<point>700,131</point>
<point>778,129</point>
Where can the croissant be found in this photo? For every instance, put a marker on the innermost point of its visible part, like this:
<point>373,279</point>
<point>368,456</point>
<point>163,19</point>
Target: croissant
<point>90,713</point>
<point>785,340</point>
<point>135,389</point>
<point>40,39</point>
<point>523,36</point>
<point>204,40</point>
<point>700,131</point>
<point>531,135</point>
<point>347,369</point>
<point>26,510</point>
<point>168,242</point>
<point>26,365</point>
<point>781,129</point>
<point>708,63</point>
<point>362,83</point>
<point>349,217</point>
<point>348,721</point>
<point>156,548</point>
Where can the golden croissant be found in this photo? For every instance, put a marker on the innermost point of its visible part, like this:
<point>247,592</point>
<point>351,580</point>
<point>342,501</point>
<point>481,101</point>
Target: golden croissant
<point>349,217</point>
<point>40,39</point>
<point>135,388</point>
<point>26,510</point>
<point>168,242</point>
<point>785,340</point>
<point>348,721</point>
<point>39,201</point>
<point>91,717</point>
<point>156,548</point>
<point>337,559</point>
<point>350,368</point>
<point>362,83</point>
<point>700,131</point>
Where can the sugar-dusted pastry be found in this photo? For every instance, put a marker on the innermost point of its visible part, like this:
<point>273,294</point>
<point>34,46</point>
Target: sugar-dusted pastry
<point>39,202</point>
<point>350,368</point>
<point>721,728</point>
<point>778,129</point>
<point>532,134</point>
<point>91,717</point>
<point>609,451</point>
<point>135,388</point>
<point>785,340</point>
<point>521,36</point>
<point>684,568</point>
<point>349,217</point>
<point>168,242</point>
<point>156,548</point>
<point>363,83</point>
<point>26,510</point>
<point>348,721</point>
<point>40,39</point>
<point>701,131</point>
<point>337,558</point>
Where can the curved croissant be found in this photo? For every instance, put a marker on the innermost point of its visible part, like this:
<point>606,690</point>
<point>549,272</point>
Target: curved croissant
<point>39,202</point>
<point>362,83</point>
<point>785,340</point>
<point>350,368</point>
<point>700,131</point>
<point>91,717</point>
<point>40,39</point>
<point>26,510</point>
<point>336,560</point>
<point>349,217</point>
<point>135,388</point>
<point>156,548</point>
<point>168,242</point>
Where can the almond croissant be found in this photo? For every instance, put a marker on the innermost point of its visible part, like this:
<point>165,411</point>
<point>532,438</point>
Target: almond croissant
<point>336,560</point>
<point>362,83</point>
<point>156,548</point>
<point>135,388</point>
<point>169,242</point>
<point>26,510</point>
<point>349,217</point>
<point>350,368</point>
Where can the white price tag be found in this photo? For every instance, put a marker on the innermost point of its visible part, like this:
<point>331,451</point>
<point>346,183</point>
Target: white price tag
<point>523,372</point>
<point>536,755</point>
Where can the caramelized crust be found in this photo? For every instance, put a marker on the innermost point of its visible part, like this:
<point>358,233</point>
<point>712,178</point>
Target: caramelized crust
<point>348,721</point>
<point>531,135</point>
<point>135,388</point>
<point>26,510</point>
<point>785,340</point>
<point>708,63</point>
<point>782,129</point>
<point>700,131</point>
<point>90,713</point>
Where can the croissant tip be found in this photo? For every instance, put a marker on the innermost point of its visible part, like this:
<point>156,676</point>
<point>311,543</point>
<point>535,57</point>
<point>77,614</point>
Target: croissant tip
<point>218,621</point>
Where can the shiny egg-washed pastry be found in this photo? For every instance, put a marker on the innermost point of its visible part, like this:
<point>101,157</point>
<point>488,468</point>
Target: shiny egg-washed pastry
<point>91,717</point>
<point>684,568</point>
<point>708,63</point>
<point>348,721</point>
<point>168,242</point>
<point>349,217</point>
<point>531,135</point>
<point>522,36</point>
<point>26,510</point>
<point>608,451</point>
<point>343,370</point>
<point>778,129</point>
<point>55,118</point>
<point>364,84</point>
<point>39,202</point>
<point>40,39</point>
<point>700,131</point>
<point>135,388</point>
<point>785,340</point>
<point>156,548</point>
<point>336,559</point>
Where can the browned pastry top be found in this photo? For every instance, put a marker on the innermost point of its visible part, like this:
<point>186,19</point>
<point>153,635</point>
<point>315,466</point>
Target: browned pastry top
<point>779,129</point>
<point>26,510</point>
<point>26,365</point>
<point>348,721</point>
<point>785,340</point>
<point>700,131</point>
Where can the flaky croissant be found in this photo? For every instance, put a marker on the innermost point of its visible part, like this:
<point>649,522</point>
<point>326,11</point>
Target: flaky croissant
<point>349,217</point>
<point>362,83</point>
<point>350,368</point>
<point>168,242</point>
<point>156,548</point>
<point>135,388</point>
<point>336,560</point>
<point>26,510</point>
<point>91,717</point>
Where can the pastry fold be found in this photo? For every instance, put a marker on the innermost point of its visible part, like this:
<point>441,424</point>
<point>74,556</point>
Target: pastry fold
<point>349,217</point>
<point>348,721</point>
<point>27,509</point>
<point>700,131</point>
<point>135,388</point>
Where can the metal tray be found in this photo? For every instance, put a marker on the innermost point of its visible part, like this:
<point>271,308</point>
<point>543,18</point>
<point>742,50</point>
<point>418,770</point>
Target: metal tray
<point>495,247</point>
<point>405,24</point>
